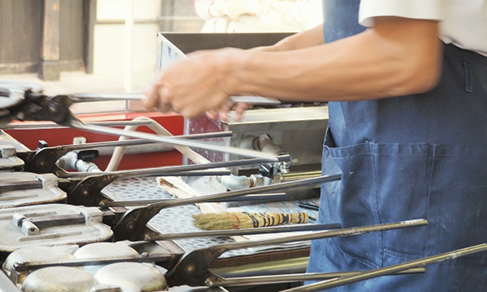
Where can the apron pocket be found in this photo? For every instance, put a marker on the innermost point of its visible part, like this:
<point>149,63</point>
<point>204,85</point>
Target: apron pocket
<point>381,183</point>
<point>458,205</point>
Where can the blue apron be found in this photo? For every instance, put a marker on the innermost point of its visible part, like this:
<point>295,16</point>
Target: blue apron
<point>409,157</point>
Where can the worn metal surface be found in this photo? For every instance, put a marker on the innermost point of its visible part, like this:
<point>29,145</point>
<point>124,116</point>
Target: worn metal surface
<point>13,238</point>
<point>7,285</point>
<point>24,188</point>
<point>58,279</point>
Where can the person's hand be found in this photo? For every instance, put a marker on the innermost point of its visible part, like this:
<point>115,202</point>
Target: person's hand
<point>222,111</point>
<point>196,85</point>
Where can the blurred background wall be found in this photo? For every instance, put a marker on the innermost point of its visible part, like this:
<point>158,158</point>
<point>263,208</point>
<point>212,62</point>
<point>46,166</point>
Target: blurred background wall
<point>86,35</point>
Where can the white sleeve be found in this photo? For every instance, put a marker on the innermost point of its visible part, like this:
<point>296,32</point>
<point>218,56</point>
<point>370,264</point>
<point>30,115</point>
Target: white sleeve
<point>417,9</point>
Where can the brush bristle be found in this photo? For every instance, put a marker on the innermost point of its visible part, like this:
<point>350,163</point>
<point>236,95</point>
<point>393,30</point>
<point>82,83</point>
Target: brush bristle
<point>222,221</point>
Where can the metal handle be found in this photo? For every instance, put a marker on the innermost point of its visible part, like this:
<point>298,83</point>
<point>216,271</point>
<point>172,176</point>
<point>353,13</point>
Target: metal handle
<point>132,225</point>
<point>26,266</point>
<point>389,270</point>
<point>247,231</point>
<point>290,278</point>
<point>77,124</point>
<point>192,270</point>
<point>88,97</point>
<point>323,234</point>
<point>255,190</point>
<point>260,197</point>
<point>166,170</point>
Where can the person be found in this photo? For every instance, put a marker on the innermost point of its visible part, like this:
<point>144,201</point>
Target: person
<point>406,83</point>
<point>258,15</point>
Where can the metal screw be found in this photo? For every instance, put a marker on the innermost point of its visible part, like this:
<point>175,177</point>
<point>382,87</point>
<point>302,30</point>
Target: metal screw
<point>131,225</point>
<point>190,269</point>
<point>52,108</point>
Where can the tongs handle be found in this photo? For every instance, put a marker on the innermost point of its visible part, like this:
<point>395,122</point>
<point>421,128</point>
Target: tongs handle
<point>89,97</point>
<point>216,281</point>
<point>389,270</point>
<point>192,270</point>
<point>133,223</point>
<point>247,231</point>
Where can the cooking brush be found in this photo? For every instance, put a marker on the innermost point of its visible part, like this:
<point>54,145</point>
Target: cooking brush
<point>241,220</point>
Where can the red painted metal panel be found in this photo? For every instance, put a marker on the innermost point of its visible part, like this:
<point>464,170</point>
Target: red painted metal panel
<point>63,136</point>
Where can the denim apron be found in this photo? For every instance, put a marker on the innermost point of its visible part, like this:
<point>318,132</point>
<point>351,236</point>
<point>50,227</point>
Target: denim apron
<point>409,157</point>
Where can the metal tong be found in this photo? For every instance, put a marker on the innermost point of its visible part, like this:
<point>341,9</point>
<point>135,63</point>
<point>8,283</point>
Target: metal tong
<point>349,279</point>
<point>39,107</point>
<point>88,97</point>
<point>44,160</point>
<point>193,268</point>
<point>132,224</point>
<point>85,188</point>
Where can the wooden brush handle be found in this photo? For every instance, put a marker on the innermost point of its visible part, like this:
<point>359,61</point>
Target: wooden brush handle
<point>271,219</point>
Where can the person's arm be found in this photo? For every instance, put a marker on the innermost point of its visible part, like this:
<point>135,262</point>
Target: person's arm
<point>398,56</point>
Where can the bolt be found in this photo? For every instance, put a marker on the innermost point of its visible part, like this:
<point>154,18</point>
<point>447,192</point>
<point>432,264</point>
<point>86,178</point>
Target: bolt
<point>131,225</point>
<point>190,269</point>
<point>86,193</point>
<point>53,108</point>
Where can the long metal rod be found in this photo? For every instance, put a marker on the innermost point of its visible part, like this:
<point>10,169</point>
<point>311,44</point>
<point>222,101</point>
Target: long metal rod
<point>174,169</point>
<point>142,141</point>
<point>133,225</point>
<point>90,97</point>
<point>290,278</point>
<point>6,186</point>
<point>256,190</point>
<point>183,273</point>
<point>246,231</point>
<point>324,234</point>
<point>53,125</point>
<point>389,270</point>
<point>77,124</point>
<point>145,172</point>
<point>259,197</point>
<point>25,266</point>
<point>62,220</point>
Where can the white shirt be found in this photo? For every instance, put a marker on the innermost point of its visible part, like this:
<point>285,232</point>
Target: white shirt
<point>462,22</point>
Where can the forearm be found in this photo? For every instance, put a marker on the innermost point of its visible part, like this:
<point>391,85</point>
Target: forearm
<point>375,64</point>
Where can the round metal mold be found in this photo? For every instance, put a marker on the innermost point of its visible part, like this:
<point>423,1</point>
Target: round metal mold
<point>104,250</point>
<point>34,254</point>
<point>59,279</point>
<point>132,277</point>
